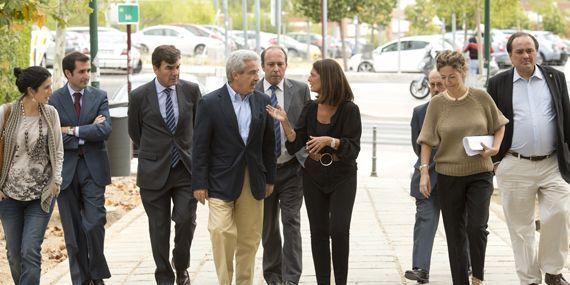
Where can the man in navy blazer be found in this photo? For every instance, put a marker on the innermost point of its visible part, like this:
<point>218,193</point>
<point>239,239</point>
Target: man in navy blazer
<point>233,166</point>
<point>84,115</point>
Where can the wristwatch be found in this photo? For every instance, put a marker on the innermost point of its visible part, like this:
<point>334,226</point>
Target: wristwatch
<point>70,131</point>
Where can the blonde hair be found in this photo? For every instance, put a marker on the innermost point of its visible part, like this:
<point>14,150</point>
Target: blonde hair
<point>453,59</point>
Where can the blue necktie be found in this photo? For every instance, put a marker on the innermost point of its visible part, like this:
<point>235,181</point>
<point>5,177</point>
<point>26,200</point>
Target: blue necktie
<point>171,124</point>
<point>277,124</point>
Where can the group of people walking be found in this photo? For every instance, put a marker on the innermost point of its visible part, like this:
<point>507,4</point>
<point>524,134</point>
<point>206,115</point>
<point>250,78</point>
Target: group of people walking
<point>254,148</point>
<point>526,110</point>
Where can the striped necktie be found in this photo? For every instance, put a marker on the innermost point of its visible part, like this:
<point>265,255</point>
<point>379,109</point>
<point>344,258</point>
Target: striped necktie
<point>171,124</point>
<point>277,124</point>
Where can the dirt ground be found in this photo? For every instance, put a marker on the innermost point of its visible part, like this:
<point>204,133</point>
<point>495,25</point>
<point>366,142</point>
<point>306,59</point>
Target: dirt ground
<point>121,196</point>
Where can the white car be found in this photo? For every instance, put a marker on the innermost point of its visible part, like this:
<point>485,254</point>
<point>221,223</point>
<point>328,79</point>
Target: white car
<point>112,52</point>
<point>187,42</point>
<point>412,52</point>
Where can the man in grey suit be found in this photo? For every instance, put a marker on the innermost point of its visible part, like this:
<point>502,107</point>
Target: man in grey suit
<point>161,118</point>
<point>282,264</point>
<point>84,113</point>
<point>427,208</point>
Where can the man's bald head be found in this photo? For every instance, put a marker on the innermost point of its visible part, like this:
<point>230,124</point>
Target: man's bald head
<point>435,83</point>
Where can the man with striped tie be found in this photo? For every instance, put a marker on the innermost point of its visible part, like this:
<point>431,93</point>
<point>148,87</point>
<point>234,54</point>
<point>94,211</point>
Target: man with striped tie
<point>282,261</point>
<point>161,119</point>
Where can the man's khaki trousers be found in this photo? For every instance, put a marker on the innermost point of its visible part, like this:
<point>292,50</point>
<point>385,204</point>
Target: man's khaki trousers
<point>520,181</point>
<point>235,229</point>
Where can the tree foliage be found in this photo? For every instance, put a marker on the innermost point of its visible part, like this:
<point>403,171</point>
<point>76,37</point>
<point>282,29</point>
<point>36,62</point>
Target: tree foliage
<point>377,12</point>
<point>177,11</point>
<point>421,17</point>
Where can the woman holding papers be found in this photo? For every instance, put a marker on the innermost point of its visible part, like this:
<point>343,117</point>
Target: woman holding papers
<point>465,183</point>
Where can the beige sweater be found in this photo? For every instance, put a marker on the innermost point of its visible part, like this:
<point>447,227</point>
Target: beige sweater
<point>448,121</point>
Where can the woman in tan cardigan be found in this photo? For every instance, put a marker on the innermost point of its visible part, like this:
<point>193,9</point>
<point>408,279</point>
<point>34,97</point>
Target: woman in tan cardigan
<point>31,172</point>
<point>465,183</point>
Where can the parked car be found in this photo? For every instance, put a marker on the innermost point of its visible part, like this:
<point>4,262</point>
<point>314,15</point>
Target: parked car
<point>112,52</point>
<point>187,42</point>
<point>73,42</point>
<point>334,46</point>
<point>203,32</point>
<point>551,49</point>
<point>121,96</point>
<point>240,41</point>
<point>412,52</point>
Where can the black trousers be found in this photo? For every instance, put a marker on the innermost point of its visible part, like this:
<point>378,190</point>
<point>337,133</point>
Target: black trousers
<point>329,217</point>
<point>157,207</point>
<point>83,217</point>
<point>283,261</point>
<point>460,196</point>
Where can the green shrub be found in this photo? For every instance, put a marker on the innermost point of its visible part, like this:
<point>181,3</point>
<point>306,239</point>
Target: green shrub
<point>14,52</point>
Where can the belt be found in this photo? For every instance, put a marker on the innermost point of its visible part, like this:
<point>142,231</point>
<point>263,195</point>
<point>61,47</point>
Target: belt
<point>325,159</point>
<point>532,157</point>
<point>288,162</point>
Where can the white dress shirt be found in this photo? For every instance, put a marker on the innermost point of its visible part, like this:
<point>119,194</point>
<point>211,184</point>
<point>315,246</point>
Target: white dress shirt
<point>534,131</point>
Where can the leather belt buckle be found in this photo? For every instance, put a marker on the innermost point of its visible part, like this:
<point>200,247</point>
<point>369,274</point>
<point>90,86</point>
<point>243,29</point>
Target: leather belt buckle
<point>326,159</point>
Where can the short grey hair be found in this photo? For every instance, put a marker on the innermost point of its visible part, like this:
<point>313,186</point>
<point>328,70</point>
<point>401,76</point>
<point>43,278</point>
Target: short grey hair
<point>236,62</point>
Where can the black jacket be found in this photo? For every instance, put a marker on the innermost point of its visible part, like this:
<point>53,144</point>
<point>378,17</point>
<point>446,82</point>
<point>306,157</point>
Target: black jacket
<point>501,90</point>
<point>219,154</point>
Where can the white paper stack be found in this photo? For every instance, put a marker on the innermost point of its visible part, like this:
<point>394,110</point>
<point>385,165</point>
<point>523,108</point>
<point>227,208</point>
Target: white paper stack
<point>473,145</point>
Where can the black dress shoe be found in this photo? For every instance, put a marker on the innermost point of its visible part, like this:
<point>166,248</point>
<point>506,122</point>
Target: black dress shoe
<point>417,274</point>
<point>98,282</point>
<point>182,278</point>
<point>555,279</point>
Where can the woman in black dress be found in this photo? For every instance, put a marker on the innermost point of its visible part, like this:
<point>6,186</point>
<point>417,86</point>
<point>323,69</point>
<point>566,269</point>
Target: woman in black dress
<point>329,128</point>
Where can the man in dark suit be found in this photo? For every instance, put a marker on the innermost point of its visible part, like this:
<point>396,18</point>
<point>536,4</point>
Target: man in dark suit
<point>427,208</point>
<point>161,118</point>
<point>234,166</point>
<point>282,264</point>
<point>534,160</point>
<point>84,115</point>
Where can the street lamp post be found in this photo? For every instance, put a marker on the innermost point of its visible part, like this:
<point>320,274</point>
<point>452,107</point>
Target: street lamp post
<point>93,41</point>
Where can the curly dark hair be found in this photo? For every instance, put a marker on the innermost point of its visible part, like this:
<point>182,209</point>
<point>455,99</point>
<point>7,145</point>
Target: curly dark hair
<point>32,77</point>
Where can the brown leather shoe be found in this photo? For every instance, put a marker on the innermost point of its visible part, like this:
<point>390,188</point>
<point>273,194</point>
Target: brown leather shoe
<point>555,279</point>
<point>182,278</point>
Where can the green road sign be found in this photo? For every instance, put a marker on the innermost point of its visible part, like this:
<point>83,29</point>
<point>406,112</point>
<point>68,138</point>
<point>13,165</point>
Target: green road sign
<point>128,13</point>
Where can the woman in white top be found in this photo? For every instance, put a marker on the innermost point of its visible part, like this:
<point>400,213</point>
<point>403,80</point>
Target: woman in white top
<point>30,171</point>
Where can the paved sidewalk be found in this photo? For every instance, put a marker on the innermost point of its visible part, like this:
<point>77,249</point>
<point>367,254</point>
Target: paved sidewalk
<point>381,237</point>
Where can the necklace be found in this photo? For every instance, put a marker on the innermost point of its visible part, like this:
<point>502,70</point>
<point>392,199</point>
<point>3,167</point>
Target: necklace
<point>41,141</point>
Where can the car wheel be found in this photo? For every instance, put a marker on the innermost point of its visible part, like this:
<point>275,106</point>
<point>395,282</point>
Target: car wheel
<point>365,67</point>
<point>144,49</point>
<point>138,67</point>
<point>199,49</point>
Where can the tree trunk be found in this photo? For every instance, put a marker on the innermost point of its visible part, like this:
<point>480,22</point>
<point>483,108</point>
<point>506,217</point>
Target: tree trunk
<point>58,57</point>
<point>343,47</point>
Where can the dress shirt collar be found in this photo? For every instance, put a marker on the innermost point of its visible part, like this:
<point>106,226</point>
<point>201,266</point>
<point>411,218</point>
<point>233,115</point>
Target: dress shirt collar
<point>536,74</point>
<point>267,85</point>
<point>71,91</point>
<point>234,96</point>
<point>160,88</point>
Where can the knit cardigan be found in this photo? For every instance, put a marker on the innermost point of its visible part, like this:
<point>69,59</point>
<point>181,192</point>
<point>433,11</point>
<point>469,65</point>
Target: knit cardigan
<point>55,146</point>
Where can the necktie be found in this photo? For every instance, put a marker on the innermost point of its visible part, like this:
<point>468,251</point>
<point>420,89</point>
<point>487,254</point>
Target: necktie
<point>77,103</point>
<point>171,124</point>
<point>277,124</point>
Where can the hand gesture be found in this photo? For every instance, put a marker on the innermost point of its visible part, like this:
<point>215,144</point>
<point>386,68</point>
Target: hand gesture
<point>276,113</point>
<point>268,190</point>
<point>99,119</point>
<point>488,151</point>
<point>315,144</point>
<point>425,186</point>
<point>54,189</point>
<point>3,196</point>
<point>201,195</point>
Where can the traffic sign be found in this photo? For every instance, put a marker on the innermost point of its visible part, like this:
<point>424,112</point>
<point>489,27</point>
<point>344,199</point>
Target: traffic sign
<point>128,13</point>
